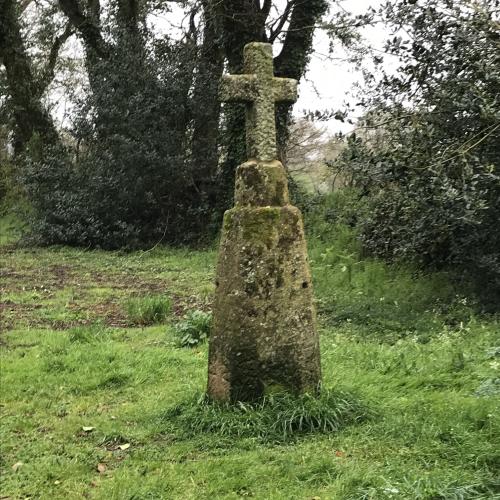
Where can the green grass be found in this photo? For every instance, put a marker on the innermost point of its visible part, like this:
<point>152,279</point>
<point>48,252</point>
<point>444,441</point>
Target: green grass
<point>11,228</point>
<point>148,310</point>
<point>388,302</point>
<point>277,418</point>
<point>410,408</point>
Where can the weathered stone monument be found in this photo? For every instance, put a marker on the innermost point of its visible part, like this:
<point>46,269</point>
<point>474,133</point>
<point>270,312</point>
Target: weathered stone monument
<point>264,336</point>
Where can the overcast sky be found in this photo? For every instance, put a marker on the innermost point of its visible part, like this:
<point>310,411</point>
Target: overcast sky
<point>329,82</point>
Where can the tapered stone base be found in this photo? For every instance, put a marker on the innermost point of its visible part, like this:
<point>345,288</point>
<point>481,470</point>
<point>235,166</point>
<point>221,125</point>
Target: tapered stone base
<point>264,336</point>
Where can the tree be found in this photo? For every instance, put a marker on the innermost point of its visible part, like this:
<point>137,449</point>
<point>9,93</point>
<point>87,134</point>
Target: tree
<point>141,163</point>
<point>24,85</point>
<point>433,174</point>
<point>128,183</point>
<point>206,106</point>
<point>310,156</point>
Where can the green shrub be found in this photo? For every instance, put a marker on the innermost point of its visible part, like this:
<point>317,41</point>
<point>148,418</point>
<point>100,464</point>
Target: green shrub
<point>129,184</point>
<point>148,310</point>
<point>430,168</point>
<point>333,216</point>
<point>194,329</point>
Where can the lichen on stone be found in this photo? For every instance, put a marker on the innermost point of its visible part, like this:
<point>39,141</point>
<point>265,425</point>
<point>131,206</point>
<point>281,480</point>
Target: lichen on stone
<point>260,90</point>
<point>264,332</point>
<point>260,184</point>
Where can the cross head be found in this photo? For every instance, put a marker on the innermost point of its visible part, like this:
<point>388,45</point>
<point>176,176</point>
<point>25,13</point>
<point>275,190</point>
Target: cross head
<point>259,89</point>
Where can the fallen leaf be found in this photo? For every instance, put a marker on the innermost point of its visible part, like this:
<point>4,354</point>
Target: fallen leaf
<point>16,466</point>
<point>101,468</point>
<point>87,429</point>
<point>124,446</point>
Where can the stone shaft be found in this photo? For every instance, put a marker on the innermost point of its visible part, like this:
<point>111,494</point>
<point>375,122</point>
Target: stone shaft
<point>259,89</point>
<point>264,336</point>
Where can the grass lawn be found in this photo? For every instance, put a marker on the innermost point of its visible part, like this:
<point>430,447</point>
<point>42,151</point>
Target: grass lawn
<point>99,400</point>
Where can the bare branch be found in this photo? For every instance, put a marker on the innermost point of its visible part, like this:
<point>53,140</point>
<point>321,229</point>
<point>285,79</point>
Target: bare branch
<point>281,21</point>
<point>48,72</point>
<point>88,30</point>
<point>193,30</point>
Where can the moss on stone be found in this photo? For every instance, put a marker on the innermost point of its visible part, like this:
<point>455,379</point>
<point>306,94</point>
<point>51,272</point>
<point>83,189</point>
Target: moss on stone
<point>264,319</point>
<point>260,228</point>
<point>261,184</point>
<point>273,388</point>
<point>260,90</point>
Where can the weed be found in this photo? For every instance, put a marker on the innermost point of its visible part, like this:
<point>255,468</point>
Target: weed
<point>194,329</point>
<point>148,310</point>
<point>384,300</point>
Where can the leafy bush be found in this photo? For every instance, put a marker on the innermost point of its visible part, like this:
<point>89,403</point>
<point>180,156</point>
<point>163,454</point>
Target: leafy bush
<point>194,329</point>
<point>333,216</point>
<point>124,180</point>
<point>278,417</point>
<point>429,167</point>
<point>148,310</point>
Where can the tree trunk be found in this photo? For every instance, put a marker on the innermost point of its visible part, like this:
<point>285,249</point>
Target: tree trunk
<point>243,21</point>
<point>30,117</point>
<point>87,26</point>
<point>206,107</point>
<point>294,56</point>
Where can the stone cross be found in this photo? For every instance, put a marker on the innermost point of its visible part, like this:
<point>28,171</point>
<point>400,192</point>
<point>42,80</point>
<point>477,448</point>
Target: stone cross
<point>259,89</point>
<point>264,337</point>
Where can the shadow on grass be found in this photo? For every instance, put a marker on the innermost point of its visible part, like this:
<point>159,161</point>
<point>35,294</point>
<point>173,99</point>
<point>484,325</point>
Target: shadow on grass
<point>278,418</point>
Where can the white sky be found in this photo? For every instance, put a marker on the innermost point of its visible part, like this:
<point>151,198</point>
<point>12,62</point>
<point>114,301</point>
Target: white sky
<point>329,82</point>
<point>330,78</point>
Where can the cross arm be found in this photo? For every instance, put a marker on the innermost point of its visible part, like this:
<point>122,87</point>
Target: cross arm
<point>285,89</point>
<point>238,88</point>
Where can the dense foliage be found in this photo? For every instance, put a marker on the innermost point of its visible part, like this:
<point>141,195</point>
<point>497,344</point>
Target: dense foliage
<point>428,156</point>
<point>146,159</point>
<point>127,182</point>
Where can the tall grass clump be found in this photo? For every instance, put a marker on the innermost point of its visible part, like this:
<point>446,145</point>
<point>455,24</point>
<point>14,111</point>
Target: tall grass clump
<point>148,310</point>
<point>87,334</point>
<point>276,418</point>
